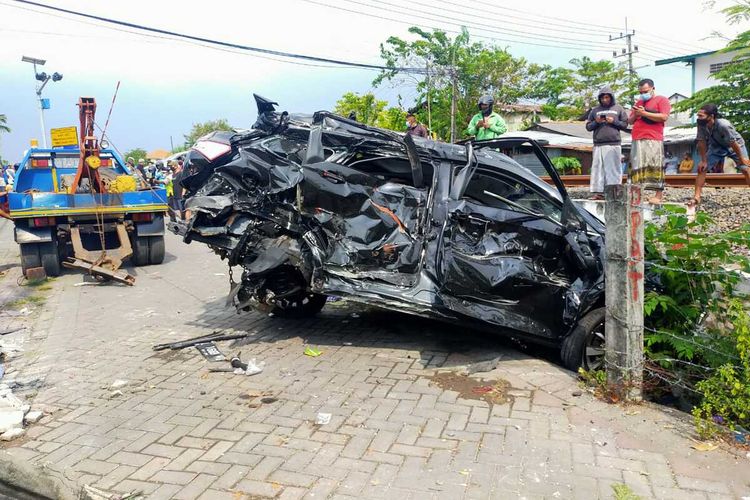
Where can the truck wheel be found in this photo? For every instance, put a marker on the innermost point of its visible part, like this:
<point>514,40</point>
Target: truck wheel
<point>156,250</point>
<point>140,250</point>
<point>584,347</point>
<point>50,258</point>
<point>30,257</point>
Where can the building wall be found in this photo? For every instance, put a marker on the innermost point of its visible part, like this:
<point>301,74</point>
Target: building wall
<point>518,121</point>
<point>703,77</point>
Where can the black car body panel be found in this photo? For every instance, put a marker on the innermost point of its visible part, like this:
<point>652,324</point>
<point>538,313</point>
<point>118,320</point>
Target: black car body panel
<point>322,204</point>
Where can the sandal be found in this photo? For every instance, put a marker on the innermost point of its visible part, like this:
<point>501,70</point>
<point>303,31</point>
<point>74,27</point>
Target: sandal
<point>694,203</point>
<point>597,197</point>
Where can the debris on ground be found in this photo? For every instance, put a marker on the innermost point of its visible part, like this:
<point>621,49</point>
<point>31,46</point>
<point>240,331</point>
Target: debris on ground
<point>489,391</point>
<point>249,368</point>
<point>323,419</point>
<point>12,434</point>
<point>99,494</point>
<point>313,352</point>
<point>212,337</point>
<point>114,394</point>
<point>483,366</point>
<point>33,417</point>
<point>118,384</point>
<point>210,352</point>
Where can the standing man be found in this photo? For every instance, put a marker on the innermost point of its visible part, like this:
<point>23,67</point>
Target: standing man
<point>413,127</point>
<point>486,124</point>
<point>606,121</point>
<point>717,140</point>
<point>648,117</point>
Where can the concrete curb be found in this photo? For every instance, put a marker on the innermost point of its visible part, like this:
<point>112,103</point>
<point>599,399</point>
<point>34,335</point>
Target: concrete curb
<point>33,481</point>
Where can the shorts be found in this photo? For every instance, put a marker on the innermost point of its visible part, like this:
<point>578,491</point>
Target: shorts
<point>716,159</point>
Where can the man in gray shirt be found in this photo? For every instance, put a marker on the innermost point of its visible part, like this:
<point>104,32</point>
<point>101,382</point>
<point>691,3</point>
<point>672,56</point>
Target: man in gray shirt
<point>717,140</point>
<point>606,121</point>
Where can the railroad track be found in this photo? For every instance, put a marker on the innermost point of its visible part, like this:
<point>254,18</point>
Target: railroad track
<point>672,180</point>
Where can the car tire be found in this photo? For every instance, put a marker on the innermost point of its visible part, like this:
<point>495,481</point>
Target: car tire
<point>140,246</point>
<point>50,258</point>
<point>156,250</point>
<point>584,347</point>
<point>306,305</point>
<point>30,257</point>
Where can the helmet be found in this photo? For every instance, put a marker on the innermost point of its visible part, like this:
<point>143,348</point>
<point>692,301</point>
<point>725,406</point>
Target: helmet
<point>489,101</point>
<point>486,99</point>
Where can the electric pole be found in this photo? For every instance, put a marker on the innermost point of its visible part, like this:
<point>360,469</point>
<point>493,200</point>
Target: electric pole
<point>631,49</point>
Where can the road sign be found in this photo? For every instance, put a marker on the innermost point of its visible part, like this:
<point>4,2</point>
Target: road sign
<point>66,136</point>
<point>45,103</point>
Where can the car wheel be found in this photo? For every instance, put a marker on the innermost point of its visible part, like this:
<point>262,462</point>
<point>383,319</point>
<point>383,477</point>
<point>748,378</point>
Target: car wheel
<point>30,257</point>
<point>50,258</point>
<point>584,347</point>
<point>304,305</point>
<point>140,250</point>
<point>156,250</point>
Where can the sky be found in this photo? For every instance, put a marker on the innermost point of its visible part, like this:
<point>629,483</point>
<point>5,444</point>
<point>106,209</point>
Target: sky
<point>166,85</point>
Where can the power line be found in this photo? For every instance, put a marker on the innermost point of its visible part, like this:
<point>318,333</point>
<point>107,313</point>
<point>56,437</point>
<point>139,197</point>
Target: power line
<point>408,23</point>
<point>216,42</point>
<point>604,29</point>
<point>479,25</point>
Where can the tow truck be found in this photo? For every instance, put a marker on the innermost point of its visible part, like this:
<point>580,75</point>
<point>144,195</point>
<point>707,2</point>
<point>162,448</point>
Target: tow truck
<point>82,208</point>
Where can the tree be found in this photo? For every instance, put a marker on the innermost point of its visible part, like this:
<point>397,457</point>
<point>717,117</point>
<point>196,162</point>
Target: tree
<point>732,95</point>
<point>366,108</point>
<point>570,92</point>
<point>3,124</point>
<point>371,111</point>
<point>436,63</point>
<point>201,129</point>
<point>136,154</point>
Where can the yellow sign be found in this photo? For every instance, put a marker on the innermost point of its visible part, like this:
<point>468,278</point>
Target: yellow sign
<point>66,136</point>
<point>93,162</point>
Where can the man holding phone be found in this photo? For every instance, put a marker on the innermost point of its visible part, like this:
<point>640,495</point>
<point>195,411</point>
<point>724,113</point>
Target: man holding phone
<point>648,116</point>
<point>486,124</point>
<point>606,121</point>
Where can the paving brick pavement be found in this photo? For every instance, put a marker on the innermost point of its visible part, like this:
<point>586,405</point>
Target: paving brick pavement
<point>179,431</point>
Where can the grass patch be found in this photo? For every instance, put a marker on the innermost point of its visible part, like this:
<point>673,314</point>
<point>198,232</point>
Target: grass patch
<point>33,300</point>
<point>623,492</point>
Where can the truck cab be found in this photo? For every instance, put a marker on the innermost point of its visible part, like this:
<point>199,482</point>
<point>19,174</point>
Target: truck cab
<point>54,222</point>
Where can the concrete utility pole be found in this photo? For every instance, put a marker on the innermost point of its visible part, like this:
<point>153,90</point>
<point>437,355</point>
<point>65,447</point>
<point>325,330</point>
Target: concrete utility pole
<point>623,277</point>
<point>628,36</point>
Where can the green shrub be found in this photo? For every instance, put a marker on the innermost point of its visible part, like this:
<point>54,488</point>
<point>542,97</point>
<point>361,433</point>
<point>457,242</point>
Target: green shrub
<point>696,325</point>
<point>567,165</point>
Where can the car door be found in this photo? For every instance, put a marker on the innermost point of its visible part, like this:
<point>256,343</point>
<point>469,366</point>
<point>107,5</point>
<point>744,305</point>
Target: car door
<point>503,255</point>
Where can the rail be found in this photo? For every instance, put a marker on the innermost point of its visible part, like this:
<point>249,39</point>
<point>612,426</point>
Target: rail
<point>672,180</point>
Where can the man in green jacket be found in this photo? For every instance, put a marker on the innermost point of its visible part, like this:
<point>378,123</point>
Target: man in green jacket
<point>486,124</point>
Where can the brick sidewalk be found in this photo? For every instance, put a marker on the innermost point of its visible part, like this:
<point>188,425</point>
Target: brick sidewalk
<point>179,431</point>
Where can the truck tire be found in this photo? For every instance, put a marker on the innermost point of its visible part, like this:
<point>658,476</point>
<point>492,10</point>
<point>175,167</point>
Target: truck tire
<point>30,257</point>
<point>140,255</point>
<point>156,250</point>
<point>50,258</point>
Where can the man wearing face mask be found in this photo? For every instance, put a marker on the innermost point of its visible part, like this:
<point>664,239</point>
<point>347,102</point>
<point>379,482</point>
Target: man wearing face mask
<point>717,140</point>
<point>413,127</point>
<point>648,116</point>
<point>486,124</point>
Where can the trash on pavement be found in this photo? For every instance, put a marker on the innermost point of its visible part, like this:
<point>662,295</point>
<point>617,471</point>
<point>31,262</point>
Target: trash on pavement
<point>210,351</point>
<point>118,383</point>
<point>704,446</point>
<point>249,368</point>
<point>313,352</point>
<point>323,418</point>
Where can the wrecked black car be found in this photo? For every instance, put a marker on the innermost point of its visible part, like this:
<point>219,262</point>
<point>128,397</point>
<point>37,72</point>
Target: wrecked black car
<point>318,206</point>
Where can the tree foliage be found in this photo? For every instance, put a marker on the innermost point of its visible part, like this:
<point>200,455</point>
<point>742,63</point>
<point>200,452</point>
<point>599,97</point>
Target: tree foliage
<point>732,93</point>
<point>136,154</point>
<point>201,129</point>
<point>434,61</point>
<point>371,111</point>
<point>4,124</point>
<point>570,92</point>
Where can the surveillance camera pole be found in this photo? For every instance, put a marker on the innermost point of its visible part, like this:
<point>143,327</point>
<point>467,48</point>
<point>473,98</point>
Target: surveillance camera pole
<point>41,107</point>
<point>44,79</point>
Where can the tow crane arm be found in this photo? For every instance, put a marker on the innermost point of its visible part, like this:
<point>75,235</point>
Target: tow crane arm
<point>101,264</point>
